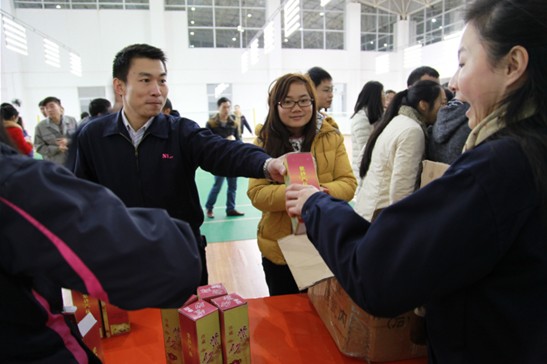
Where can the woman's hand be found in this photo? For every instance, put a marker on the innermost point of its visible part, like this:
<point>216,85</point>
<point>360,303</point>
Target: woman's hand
<point>296,196</point>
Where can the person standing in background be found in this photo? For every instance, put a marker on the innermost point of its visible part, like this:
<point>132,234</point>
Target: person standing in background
<point>97,107</point>
<point>52,135</point>
<point>390,94</point>
<point>227,126</point>
<point>391,163</point>
<point>243,120</point>
<point>168,109</point>
<point>324,93</point>
<point>10,117</point>
<point>449,133</point>
<point>42,108</point>
<point>422,73</point>
<point>368,109</point>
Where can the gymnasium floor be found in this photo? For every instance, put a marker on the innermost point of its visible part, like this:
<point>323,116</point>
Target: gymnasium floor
<point>223,228</point>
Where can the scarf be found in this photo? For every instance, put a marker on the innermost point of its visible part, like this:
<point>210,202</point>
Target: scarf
<point>414,115</point>
<point>494,123</point>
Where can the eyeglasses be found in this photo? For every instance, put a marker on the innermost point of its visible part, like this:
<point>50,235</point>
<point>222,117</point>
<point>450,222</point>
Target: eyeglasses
<point>289,104</point>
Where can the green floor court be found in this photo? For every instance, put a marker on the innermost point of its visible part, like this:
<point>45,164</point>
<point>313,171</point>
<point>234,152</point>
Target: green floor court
<point>223,228</point>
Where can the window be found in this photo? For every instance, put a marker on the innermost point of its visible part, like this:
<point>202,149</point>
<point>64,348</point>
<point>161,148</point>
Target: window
<point>221,23</point>
<point>434,23</point>
<point>83,4</point>
<point>377,29</point>
<point>321,27</point>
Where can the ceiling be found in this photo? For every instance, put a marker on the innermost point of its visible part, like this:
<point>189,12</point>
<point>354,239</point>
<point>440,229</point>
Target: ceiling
<point>403,8</point>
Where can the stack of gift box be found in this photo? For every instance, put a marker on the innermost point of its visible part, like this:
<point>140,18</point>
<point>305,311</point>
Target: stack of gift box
<point>211,327</point>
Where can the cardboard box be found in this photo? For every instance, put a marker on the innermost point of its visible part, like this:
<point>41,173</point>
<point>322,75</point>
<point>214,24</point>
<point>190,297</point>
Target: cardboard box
<point>431,171</point>
<point>359,334</point>
<point>301,169</point>
<point>115,320</point>
<point>171,333</point>
<point>210,291</point>
<point>200,333</point>
<point>234,328</point>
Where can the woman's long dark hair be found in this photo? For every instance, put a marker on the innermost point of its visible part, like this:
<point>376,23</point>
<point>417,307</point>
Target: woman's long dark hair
<point>8,111</point>
<point>370,98</point>
<point>274,135</point>
<point>502,25</point>
<point>426,90</point>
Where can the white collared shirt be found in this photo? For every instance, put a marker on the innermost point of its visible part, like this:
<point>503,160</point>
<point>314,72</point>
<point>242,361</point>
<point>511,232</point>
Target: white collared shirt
<point>136,135</point>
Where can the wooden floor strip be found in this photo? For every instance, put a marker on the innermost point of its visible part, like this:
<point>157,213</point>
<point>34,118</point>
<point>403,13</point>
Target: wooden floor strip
<point>237,265</point>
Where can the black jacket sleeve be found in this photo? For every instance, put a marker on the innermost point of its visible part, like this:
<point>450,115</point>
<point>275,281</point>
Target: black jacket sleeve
<point>439,240</point>
<point>79,235</point>
<point>219,156</point>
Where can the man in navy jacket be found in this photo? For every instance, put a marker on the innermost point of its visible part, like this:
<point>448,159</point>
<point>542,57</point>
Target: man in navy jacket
<point>149,159</point>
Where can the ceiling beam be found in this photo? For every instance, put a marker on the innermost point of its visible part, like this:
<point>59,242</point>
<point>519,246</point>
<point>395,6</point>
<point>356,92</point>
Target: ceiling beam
<point>403,8</point>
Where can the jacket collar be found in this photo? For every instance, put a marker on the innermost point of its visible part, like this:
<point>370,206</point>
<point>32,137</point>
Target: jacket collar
<point>159,127</point>
<point>12,124</point>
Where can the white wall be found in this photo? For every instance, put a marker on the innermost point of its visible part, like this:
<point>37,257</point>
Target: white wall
<point>98,35</point>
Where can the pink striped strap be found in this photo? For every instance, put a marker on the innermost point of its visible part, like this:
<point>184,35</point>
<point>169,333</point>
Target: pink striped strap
<point>56,322</point>
<point>93,286</point>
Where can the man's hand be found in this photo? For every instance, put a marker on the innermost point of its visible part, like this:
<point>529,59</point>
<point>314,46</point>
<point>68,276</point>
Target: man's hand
<point>276,169</point>
<point>62,143</point>
<point>296,196</point>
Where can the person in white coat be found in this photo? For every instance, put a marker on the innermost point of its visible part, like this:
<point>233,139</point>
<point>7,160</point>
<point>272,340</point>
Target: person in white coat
<point>392,158</point>
<point>367,111</point>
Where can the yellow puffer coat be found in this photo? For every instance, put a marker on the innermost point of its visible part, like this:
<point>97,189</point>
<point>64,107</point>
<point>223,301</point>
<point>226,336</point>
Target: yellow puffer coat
<point>335,174</point>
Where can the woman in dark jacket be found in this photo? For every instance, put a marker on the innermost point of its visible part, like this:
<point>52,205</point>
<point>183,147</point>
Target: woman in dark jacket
<point>471,246</point>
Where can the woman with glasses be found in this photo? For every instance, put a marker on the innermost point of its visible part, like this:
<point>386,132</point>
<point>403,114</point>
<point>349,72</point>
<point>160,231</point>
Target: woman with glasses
<point>292,126</point>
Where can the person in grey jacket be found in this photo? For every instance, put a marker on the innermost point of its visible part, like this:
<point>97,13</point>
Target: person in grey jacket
<point>52,135</point>
<point>449,133</point>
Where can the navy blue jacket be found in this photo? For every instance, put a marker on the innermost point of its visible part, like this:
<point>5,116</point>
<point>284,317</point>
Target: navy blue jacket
<point>56,231</point>
<point>160,172</point>
<point>469,246</point>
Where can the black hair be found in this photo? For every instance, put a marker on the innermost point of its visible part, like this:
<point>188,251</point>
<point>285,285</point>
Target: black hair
<point>318,74</point>
<point>419,73</point>
<point>274,135</point>
<point>8,111</point>
<point>122,60</point>
<point>425,90</point>
<point>222,100</point>
<point>370,98</point>
<point>167,105</point>
<point>49,99</point>
<point>449,94</point>
<point>99,106</point>
<point>502,25</point>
